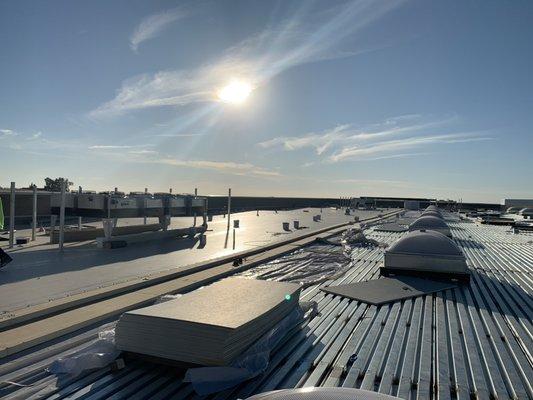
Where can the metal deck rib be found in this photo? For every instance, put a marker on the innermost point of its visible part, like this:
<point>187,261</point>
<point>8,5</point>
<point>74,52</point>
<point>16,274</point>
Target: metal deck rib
<point>473,341</point>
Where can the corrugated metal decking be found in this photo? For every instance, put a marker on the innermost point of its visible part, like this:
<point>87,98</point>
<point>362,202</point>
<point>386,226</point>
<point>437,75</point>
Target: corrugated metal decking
<point>473,341</point>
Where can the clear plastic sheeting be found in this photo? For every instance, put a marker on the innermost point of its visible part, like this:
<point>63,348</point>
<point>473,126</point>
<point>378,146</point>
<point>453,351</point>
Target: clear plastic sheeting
<point>254,361</point>
<point>328,259</point>
<point>355,236</point>
<point>307,266</point>
<point>100,353</point>
<point>167,297</point>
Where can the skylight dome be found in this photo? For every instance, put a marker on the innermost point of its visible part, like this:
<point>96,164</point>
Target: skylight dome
<point>528,212</point>
<point>432,214</point>
<point>426,242</point>
<point>427,253</point>
<point>431,223</point>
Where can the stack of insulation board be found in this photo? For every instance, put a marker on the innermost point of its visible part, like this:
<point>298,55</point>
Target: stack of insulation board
<point>209,326</point>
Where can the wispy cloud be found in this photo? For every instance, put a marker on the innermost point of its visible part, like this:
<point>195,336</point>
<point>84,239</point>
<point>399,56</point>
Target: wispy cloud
<point>233,168</point>
<point>7,132</point>
<point>306,37</point>
<point>153,25</point>
<point>399,155</point>
<point>117,146</point>
<point>319,141</point>
<point>350,133</point>
<point>143,151</point>
<point>392,147</point>
<point>108,147</point>
<point>169,135</point>
<point>393,138</point>
<point>372,182</point>
<point>36,143</point>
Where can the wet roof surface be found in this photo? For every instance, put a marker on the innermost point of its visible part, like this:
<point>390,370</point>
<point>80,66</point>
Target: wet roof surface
<point>474,340</point>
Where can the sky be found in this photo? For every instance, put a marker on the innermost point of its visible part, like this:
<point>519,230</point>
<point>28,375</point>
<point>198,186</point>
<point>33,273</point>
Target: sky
<point>347,98</point>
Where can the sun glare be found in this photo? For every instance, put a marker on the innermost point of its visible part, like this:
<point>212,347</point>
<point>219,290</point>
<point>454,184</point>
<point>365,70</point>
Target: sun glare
<point>235,92</point>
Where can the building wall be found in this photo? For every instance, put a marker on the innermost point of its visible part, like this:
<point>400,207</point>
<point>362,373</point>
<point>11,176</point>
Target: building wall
<point>24,203</point>
<point>522,203</point>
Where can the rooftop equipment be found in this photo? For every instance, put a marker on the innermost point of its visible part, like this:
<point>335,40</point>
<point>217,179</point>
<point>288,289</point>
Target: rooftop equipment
<point>197,204</point>
<point>512,210</point>
<point>428,254</point>
<point>174,206</point>
<point>102,205</point>
<point>71,203</point>
<point>431,223</point>
<point>136,204</point>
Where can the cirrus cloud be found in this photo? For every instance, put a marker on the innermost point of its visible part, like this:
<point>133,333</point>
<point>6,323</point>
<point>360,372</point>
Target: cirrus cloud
<point>306,37</point>
<point>153,25</point>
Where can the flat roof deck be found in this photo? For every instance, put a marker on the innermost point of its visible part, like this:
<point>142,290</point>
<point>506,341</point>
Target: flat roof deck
<point>39,273</point>
<point>474,341</point>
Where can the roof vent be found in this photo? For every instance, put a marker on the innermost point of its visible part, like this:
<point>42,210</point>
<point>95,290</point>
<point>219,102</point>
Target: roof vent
<point>426,253</point>
<point>322,393</point>
<point>431,223</point>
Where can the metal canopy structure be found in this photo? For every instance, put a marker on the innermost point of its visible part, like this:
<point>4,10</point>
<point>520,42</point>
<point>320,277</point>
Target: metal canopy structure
<point>474,341</point>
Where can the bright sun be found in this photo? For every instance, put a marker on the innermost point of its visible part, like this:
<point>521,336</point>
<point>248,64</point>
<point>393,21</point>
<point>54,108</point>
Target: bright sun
<point>235,92</point>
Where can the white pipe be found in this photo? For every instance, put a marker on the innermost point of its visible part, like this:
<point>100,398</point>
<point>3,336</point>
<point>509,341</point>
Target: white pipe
<point>229,207</point>
<point>53,219</point>
<point>62,216</point>
<point>12,216</point>
<point>79,218</point>
<point>205,211</point>
<point>145,203</point>
<point>34,214</point>
<point>195,194</point>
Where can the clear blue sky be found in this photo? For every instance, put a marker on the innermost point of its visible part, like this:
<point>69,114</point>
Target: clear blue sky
<point>411,98</point>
